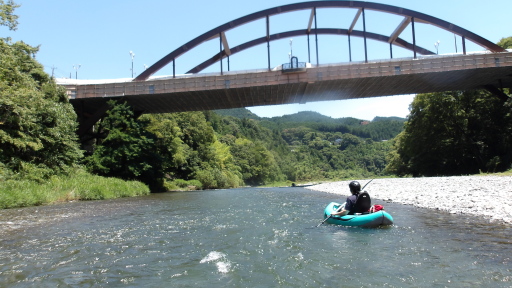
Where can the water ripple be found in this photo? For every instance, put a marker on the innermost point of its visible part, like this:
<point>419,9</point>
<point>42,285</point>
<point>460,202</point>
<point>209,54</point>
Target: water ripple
<point>244,237</point>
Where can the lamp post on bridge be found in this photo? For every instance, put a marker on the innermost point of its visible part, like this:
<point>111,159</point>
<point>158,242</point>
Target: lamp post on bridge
<point>437,46</point>
<point>76,67</point>
<point>291,49</point>
<point>132,55</point>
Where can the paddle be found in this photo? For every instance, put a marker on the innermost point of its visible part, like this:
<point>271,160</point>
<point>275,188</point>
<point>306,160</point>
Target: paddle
<point>366,184</point>
<point>337,210</point>
<point>341,206</point>
<point>324,220</point>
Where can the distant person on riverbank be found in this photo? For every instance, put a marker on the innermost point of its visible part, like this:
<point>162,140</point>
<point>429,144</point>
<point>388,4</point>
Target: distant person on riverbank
<point>350,206</point>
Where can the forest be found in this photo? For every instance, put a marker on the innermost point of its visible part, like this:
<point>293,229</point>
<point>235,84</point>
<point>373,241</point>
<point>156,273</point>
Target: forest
<point>213,149</point>
<point>42,160</point>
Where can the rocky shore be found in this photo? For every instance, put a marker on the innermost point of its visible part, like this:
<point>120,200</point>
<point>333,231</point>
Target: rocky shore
<point>490,196</point>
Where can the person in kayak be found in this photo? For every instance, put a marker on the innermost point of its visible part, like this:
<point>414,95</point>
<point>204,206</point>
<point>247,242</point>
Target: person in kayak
<point>352,205</point>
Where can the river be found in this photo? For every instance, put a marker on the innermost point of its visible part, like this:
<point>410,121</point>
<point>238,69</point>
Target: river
<point>249,237</point>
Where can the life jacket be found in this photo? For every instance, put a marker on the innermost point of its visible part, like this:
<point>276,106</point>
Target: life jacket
<point>363,203</point>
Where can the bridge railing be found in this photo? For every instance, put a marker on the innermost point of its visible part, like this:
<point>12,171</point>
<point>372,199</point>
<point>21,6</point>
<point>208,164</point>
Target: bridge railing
<point>440,63</point>
<point>298,65</point>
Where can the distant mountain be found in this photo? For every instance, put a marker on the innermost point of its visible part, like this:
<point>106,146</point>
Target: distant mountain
<point>378,118</point>
<point>240,113</point>
<point>381,128</point>
<point>304,116</point>
<point>300,117</point>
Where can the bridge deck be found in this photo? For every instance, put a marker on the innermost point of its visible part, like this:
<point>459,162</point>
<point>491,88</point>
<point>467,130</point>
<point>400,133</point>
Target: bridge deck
<point>323,83</point>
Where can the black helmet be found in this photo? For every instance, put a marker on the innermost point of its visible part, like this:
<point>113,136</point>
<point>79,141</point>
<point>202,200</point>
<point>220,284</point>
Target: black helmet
<point>355,187</point>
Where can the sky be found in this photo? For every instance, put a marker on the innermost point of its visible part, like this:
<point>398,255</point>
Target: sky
<point>93,39</point>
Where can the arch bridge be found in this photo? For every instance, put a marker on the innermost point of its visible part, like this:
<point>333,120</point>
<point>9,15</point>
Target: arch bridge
<point>423,72</point>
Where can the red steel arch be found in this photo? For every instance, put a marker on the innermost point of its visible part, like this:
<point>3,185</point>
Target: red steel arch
<point>411,16</point>
<point>321,31</point>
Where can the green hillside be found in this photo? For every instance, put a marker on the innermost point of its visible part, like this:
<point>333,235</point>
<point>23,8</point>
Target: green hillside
<point>381,128</point>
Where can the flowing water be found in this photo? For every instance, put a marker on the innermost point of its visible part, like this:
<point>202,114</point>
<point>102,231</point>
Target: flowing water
<point>250,237</point>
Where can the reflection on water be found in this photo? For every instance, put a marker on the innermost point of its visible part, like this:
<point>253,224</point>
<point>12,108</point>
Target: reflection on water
<point>245,238</point>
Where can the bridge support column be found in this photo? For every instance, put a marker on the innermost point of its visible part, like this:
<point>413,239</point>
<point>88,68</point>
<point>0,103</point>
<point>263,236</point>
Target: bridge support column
<point>86,124</point>
<point>497,92</point>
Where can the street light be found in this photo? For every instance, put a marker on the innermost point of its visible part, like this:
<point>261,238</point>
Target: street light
<point>437,46</point>
<point>291,49</point>
<point>132,55</point>
<point>76,67</point>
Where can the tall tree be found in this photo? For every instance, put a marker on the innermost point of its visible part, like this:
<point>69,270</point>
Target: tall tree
<point>190,150</point>
<point>256,162</point>
<point>128,151</point>
<point>174,152</point>
<point>37,123</point>
<point>505,43</point>
<point>453,133</point>
<point>7,16</point>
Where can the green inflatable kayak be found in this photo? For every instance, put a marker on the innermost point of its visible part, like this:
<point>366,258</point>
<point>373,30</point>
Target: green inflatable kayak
<point>379,218</point>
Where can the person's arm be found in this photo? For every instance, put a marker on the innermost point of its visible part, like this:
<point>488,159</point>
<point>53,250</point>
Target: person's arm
<point>341,211</point>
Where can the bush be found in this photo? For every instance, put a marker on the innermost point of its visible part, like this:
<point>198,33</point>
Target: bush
<point>79,185</point>
<point>180,184</point>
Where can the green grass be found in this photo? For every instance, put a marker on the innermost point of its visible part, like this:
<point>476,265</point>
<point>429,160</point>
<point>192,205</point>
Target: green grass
<point>79,186</point>
<point>182,185</point>
<point>506,173</point>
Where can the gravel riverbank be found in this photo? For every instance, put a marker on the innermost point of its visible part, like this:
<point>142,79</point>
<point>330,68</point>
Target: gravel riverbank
<point>490,196</point>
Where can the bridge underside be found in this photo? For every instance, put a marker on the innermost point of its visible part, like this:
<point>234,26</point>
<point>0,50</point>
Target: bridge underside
<point>302,92</point>
<point>327,83</point>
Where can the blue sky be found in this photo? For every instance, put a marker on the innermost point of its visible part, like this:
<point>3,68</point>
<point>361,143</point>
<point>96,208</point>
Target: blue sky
<point>99,34</point>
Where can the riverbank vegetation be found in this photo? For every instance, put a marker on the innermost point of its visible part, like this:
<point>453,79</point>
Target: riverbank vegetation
<point>78,185</point>
<point>40,156</point>
<point>454,133</point>
<point>213,149</point>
